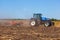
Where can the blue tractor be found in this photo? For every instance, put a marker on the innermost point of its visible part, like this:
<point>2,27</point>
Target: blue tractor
<point>39,20</point>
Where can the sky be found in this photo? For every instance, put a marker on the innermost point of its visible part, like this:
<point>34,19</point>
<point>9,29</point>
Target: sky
<point>26,8</point>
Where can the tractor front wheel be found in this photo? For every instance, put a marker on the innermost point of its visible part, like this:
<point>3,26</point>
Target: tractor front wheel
<point>46,24</point>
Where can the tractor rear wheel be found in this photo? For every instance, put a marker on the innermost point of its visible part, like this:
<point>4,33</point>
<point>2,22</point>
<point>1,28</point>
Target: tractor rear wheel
<point>33,22</point>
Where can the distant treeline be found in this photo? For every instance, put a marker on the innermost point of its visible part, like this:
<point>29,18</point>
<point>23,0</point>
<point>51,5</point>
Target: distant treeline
<point>55,19</point>
<point>52,19</point>
<point>13,19</point>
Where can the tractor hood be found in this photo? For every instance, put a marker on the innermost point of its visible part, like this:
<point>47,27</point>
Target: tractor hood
<point>44,18</point>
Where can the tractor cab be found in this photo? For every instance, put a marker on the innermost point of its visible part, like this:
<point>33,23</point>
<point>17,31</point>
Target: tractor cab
<point>37,16</point>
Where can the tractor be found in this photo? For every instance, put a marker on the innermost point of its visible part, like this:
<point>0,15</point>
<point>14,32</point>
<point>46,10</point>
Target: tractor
<point>39,20</point>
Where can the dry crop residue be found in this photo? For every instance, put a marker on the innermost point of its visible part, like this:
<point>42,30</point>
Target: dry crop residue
<point>29,33</point>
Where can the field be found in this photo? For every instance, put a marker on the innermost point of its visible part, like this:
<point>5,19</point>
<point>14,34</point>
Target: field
<point>26,32</point>
<point>57,23</point>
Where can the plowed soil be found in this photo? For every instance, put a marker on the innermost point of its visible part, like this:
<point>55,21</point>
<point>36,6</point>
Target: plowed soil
<point>29,33</point>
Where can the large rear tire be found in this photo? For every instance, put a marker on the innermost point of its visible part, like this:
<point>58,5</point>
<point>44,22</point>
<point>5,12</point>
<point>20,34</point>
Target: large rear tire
<point>33,22</point>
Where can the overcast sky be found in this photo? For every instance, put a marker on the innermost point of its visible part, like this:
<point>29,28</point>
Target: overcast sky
<point>26,8</point>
